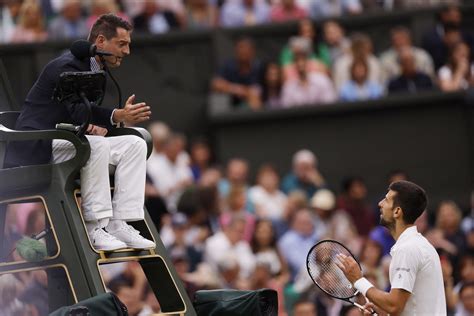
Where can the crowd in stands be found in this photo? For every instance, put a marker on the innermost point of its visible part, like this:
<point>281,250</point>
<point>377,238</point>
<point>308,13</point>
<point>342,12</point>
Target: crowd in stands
<point>323,65</point>
<point>318,65</point>
<point>221,228</point>
<point>38,20</point>
<point>224,231</point>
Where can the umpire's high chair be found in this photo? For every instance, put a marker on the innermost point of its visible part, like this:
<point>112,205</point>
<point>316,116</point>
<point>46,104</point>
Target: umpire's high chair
<point>69,249</point>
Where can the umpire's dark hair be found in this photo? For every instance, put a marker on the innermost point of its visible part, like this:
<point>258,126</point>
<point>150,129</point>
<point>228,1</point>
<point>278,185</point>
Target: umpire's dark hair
<point>411,198</point>
<point>107,25</point>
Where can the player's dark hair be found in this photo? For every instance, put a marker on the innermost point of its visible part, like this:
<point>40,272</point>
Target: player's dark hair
<point>107,25</point>
<point>411,198</point>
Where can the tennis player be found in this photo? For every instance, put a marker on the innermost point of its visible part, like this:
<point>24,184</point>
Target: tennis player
<point>415,270</point>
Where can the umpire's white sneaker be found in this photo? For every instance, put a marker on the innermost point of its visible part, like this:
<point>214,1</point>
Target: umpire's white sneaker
<point>129,235</point>
<point>101,240</point>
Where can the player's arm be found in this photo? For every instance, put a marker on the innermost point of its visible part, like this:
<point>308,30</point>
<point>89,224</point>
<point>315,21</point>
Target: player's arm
<point>392,302</point>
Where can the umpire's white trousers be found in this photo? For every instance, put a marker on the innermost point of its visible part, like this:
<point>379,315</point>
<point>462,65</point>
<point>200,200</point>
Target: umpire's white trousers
<point>128,154</point>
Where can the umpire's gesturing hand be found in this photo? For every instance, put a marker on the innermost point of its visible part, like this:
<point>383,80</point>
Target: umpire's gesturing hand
<point>132,113</point>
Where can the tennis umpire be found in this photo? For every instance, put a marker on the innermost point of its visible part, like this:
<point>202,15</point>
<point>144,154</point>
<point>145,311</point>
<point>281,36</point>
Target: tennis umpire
<point>415,270</point>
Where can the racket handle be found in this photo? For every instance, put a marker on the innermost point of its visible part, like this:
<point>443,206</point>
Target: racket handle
<point>364,309</point>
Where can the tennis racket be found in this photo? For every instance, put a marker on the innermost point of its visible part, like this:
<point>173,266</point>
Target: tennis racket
<point>323,270</point>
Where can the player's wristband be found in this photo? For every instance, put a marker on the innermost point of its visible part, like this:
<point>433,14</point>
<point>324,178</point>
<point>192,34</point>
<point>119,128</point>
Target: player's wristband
<point>363,285</point>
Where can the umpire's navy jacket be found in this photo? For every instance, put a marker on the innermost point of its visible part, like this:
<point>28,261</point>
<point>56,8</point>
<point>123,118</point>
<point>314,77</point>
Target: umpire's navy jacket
<point>42,111</point>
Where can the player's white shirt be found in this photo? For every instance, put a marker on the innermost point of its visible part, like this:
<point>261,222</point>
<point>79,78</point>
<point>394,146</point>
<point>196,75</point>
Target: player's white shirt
<point>416,268</point>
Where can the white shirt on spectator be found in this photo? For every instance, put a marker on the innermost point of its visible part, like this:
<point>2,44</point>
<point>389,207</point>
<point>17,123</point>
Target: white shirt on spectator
<point>446,74</point>
<point>342,70</point>
<point>318,89</point>
<point>416,268</point>
<point>166,176</point>
<point>269,205</point>
<point>218,247</point>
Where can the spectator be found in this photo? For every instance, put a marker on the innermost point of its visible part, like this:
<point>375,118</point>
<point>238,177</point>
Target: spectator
<point>458,73</point>
<point>338,44</point>
<point>466,295</point>
<point>360,87</point>
<point>236,175</point>
<point>168,174</point>
<point>70,24</point>
<point>318,55</point>
<point>448,221</point>
<point>295,243</point>
<point>434,40</point>
<point>9,292</point>
<point>271,86</point>
<point>354,201</point>
<point>305,175</point>
<point>332,223</point>
<point>296,200</point>
<point>30,27</point>
<point>320,9</point>
<point>262,278</point>
<point>287,10</point>
<point>391,58</point>
<point>361,48</point>
<point>239,76</point>
<point>200,157</point>
<point>304,308</point>
<point>99,7</point>
<point>308,88</point>
<point>236,201</point>
<point>200,14</point>
<point>410,80</point>
<point>154,202</point>
<point>263,245</point>
<point>370,261</point>
<point>230,242</point>
<point>154,19</point>
<point>177,7</point>
<point>9,13</point>
<point>244,13</point>
<point>266,197</point>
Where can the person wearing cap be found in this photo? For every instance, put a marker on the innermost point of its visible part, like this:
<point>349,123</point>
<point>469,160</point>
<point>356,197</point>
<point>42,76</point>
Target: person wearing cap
<point>332,223</point>
<point>305,175</point>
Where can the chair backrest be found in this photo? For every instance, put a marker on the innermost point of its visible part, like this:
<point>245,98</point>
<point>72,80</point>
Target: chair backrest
<point>7,99</point>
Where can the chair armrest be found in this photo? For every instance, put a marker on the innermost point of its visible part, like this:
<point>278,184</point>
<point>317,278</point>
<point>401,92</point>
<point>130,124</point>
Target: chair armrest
<point>137,131</point>
<point>81,145</point>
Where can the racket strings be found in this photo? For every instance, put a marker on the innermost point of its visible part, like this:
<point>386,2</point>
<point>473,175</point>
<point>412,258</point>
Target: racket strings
<point>326,274</point>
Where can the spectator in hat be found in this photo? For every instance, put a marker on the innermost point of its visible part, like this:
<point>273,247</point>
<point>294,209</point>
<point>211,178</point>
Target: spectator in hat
<point>305,175</point>
<point>332,223</point>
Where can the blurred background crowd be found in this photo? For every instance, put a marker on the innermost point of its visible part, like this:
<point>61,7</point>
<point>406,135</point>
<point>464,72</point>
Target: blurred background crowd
<point>317,65</point>
<point>224,229</point>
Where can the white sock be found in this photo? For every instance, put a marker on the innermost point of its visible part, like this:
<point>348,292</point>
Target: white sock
<point>115,224</point>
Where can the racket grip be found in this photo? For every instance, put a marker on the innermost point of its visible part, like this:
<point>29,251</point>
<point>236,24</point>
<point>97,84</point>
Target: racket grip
<point>372,312</point>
